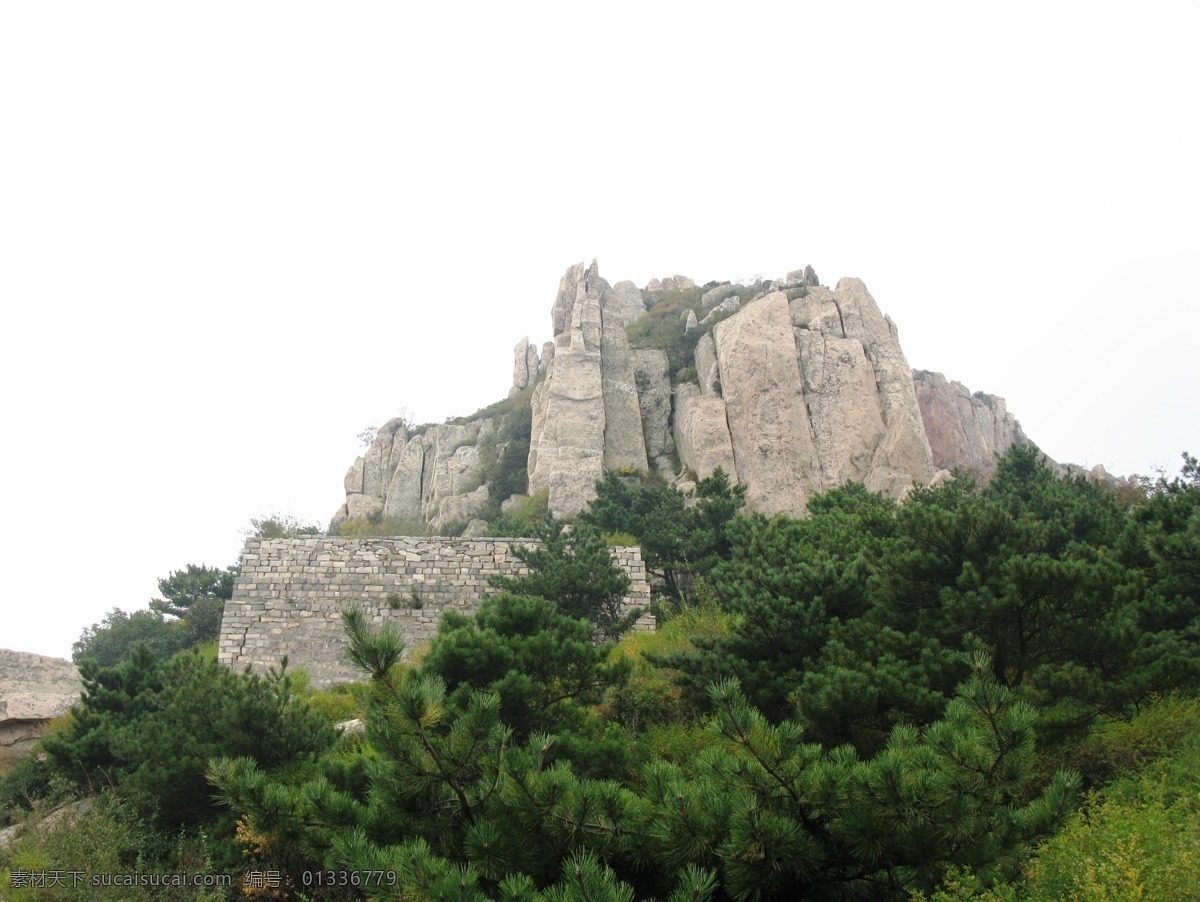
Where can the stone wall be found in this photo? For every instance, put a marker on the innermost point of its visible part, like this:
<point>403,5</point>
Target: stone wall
<point>290,593</point>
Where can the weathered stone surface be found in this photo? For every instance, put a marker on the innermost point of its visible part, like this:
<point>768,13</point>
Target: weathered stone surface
<point>966,431</point>
<point>459,508</point>
<point>624,302</point>
<point>568,290</point>
<point>902,456</point>
<point>475,528</point>
<point>727,306</point>
<point>566,449</point>
<point>843,406</point>
<point>287,598</point>
<point>764,404</point>
<point>375,461</point>
<point>707,369</point>
<point>33,690</point>
<point>652,376</point>
<point>677,283</point>
<point>525,365</point>
<point>798,390</point>
<point>406,481</point>
<point>702,432</point>
<point>806,276</point>
<point>624,443</point>
<point>456,480</point>
<point>404,497</point>
<point>864,423</point>
<point>714,296</point>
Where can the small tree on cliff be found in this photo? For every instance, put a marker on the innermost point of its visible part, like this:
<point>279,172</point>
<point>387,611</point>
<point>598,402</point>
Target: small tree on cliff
<point>574,569</point>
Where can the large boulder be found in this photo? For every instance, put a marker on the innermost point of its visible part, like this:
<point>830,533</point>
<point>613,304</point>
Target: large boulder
<point>33,690</point>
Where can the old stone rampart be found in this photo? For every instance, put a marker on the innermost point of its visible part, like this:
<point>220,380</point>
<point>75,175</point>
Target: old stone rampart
<point>289,596</point>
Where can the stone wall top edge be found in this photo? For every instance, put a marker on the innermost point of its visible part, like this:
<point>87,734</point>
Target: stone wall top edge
<point>341,542</point>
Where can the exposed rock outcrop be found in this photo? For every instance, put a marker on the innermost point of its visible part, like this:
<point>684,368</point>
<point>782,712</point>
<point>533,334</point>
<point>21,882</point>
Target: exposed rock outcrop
<point>727,306</point>
<point>798,390</point>
<point>566,447</point>
<point>653,381</point>
<point>33,690</point>
<point>624,442</point>
<point>624,303</point>
<point>902,457</point>
<point>526,366</point>
<point>806,276</point>
<point>968,431</point>
<point>670,283</point>
<point>433,477</point>
<point>702,433</point>
<point>714,296</point>
<point>764,404</point>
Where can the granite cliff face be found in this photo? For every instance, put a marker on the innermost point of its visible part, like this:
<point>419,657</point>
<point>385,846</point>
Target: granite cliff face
<point>430,477</point>
<point>791,387</point>
<point>965,430</point>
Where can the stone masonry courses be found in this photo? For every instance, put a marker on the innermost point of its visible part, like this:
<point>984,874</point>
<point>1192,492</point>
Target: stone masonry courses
<point>291,592</point>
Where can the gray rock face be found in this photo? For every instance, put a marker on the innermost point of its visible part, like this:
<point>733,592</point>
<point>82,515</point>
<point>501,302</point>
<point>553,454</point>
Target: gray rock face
<point>566,448</point>
<point>814,392</point>
<point>33,690</point>
<point>653,381</point>
<point>806,276</point>
<point>727,306</point>
<point>715,295</point>
<point>526,366</point>
<point>459,508</point>
<point>624,303</point>
<point>707,369</point>
<point>702,432</point>
<point>798,390</point>
<point>677,283</point>
<point>423,479</point>
<point>902,456</point>
<point>966,431</point>
<point>624,443</point>
<point>475,529</point>
<point>764,403</point>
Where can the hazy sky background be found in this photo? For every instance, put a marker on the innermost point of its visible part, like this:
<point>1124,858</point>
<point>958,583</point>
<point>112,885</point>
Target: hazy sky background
<point>232,235</point>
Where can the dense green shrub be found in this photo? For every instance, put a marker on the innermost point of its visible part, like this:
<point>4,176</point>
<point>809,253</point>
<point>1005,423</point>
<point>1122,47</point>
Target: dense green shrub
<point>97,837</point>
<point>1138,838</point>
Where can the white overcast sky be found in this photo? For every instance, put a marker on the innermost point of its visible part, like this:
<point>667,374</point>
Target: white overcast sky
<point>232,235</point>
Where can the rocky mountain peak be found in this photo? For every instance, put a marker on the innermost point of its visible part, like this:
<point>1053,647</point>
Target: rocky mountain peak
<point>791,387</point>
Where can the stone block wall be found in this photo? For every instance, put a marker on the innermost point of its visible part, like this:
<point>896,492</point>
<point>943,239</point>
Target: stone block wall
<point>289,596</point>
